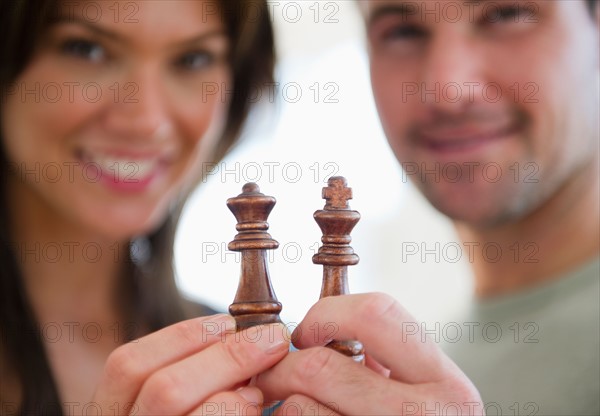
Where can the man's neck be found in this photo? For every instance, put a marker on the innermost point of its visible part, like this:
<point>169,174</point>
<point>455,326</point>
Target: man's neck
<point>553,240</point>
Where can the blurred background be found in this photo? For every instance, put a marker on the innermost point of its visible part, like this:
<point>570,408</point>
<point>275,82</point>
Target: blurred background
<point>322,122</point>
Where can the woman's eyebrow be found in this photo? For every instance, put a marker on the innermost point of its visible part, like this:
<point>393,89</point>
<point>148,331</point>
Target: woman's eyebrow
<point>202,37</point>
<point>110,34</point>
<point>93,27</point>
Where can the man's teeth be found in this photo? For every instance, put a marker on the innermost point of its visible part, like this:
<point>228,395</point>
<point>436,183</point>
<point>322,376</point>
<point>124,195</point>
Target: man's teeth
<point>125,169</point>
<point>464,144</point>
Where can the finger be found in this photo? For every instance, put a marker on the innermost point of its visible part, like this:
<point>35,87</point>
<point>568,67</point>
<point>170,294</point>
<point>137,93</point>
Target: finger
<point>349,388</point>
<point>299,404</point>
<point>389,334</point>
<point>251,394</point>
<point>372,363</point>
<point>246,401</point>
<point>130,365</point>
<point>185,384</point>
<point>330,378</point>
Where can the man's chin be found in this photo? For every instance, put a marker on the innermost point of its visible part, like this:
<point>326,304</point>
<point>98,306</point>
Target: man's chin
<point>477,211</point>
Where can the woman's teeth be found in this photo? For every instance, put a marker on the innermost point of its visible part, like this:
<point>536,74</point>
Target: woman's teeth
<point>124,169</point>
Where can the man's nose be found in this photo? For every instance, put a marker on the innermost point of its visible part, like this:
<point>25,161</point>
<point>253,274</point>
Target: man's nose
<point>139,107</point>
<point>453,75</point>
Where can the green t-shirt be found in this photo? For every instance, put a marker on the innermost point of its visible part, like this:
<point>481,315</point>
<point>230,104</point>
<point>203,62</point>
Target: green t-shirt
<point>535,353</point>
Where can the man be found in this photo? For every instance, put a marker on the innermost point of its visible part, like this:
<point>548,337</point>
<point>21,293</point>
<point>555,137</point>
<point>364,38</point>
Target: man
<point>499,100</point>
<point>492,109</point>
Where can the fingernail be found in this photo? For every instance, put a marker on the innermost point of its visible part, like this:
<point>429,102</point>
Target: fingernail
<point>251,394</point>
<point>295,336</point>
<point>272,338</point>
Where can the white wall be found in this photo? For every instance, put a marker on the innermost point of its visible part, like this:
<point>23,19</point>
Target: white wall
<point>291,153</point>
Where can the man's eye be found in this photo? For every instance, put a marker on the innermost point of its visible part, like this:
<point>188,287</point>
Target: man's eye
<point>405,32</point>
<point>195,60</point>
<point>84,49</point>
<point>505,14</point>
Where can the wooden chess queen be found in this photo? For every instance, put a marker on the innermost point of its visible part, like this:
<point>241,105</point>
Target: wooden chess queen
<point>255,302</point>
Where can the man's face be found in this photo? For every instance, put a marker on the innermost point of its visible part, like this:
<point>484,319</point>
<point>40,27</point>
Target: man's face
<point>490,106</point>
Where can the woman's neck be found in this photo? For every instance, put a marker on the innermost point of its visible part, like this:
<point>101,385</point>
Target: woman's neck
<point>70,273</point>
<point>74,281</point>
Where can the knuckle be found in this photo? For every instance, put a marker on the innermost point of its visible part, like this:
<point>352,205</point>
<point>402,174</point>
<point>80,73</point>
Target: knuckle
<point>229,402</point>
<point>217,401</point>
<point>298,404</point>
<point>460,393</point>
<point>464,391</point>
<point>187,332</point>
<point>303,405</point>
<point>397,405</point>
<point>223,397</point>
<point>380,305</point>
<point>161,393</point>
<point>122,365</point>
<point>237,353</point>
<point>317,363</point>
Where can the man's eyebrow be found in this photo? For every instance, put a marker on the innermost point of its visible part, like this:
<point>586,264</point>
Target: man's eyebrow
<point>406,9</point>
<point>403,10</point>
<point>107,33</point>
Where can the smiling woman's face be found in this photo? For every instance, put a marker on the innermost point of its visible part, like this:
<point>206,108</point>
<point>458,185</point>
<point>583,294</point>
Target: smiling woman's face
<point>112,117</point>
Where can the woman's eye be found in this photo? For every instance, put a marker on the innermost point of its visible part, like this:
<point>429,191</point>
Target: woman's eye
<point>84,49</point>
<point>195,61</point>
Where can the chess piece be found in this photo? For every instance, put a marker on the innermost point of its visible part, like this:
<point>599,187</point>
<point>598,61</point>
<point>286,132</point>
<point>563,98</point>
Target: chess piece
<point>255,302</point>
<point>336,221</point>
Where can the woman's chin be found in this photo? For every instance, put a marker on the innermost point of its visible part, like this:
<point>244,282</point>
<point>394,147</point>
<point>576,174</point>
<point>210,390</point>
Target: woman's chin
<point>124,224</point>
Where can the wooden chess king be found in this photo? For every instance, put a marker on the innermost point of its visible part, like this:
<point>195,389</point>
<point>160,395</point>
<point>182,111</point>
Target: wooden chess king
<point>255,302</point>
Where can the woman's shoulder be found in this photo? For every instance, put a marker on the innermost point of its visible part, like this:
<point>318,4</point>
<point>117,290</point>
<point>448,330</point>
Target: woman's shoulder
<point>192,308</point>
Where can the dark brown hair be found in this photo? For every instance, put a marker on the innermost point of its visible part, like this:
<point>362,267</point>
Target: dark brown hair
<point>150,289</point>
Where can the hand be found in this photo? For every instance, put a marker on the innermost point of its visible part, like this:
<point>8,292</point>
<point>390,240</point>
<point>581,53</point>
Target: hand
<point>194,366</point>
<point>404,374</point>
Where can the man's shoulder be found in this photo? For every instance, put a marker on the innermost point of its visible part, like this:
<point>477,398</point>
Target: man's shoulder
<point>516,349</point>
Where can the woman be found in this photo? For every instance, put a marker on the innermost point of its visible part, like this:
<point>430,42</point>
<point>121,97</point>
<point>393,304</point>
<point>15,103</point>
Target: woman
<point>112,98</point>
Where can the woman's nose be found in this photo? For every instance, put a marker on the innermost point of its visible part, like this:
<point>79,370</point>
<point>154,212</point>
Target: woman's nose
<point>138,108</point>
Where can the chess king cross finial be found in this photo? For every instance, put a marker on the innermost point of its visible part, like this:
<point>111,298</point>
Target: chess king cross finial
<point>336,221</point>
<point>337,193</point>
